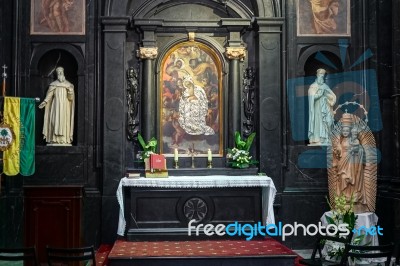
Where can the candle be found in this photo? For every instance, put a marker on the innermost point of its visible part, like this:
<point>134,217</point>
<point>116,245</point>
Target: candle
<point>176,155</point>
<point>209,155</point>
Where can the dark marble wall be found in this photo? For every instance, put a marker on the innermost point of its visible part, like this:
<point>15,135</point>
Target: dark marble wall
<point>97,64</point>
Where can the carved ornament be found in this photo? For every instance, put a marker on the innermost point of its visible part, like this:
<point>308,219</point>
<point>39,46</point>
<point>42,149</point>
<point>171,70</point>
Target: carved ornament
<point>249,100</point>
<point>133,101</point>
<point>147,52</point>
<point>235,52</point>
<point>191,36</point>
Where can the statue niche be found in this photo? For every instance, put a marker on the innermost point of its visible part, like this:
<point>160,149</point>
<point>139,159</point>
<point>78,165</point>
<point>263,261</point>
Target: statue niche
<point>352,163</point>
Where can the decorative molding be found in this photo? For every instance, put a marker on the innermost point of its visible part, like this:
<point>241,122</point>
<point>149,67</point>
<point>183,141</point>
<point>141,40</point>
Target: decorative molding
<point>133,100</point>
<point>249,101</point>
<point>235,52</point>
<point>195,208</point>
<point>147,52</point>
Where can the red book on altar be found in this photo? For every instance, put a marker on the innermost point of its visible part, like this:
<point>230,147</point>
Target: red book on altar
<point>157,162</point>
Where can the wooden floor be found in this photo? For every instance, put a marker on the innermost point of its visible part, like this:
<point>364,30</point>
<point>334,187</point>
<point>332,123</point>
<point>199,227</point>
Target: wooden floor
<point>207,252</point>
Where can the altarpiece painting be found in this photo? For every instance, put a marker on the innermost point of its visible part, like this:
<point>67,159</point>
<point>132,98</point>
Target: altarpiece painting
<point>191,100</point>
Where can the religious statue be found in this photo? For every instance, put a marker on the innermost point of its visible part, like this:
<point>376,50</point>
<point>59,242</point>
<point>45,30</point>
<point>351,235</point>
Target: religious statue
<point>59,103</point>
<point>320,101</point>
<point>352,163</point>
<point>133,100</point>
<point>324,13</point>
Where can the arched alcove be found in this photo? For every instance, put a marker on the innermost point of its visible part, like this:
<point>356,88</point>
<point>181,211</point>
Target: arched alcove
<point>43,73</point>
<point>252,8</point>
<point>332,63</point>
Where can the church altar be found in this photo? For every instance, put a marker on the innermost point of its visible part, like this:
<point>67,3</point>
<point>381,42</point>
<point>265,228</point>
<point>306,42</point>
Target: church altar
<point>245,199</point>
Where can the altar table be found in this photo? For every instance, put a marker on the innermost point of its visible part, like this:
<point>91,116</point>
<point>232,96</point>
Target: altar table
<point>268,190</point>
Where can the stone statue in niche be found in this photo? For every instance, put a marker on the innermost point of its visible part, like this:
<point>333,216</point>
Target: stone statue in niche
<point>352,163</point>
<point>59,104</point>
<point>320,111</point>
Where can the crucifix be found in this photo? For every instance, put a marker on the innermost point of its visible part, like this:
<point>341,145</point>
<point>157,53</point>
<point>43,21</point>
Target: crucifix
<point>4,75</point>
<point>192,153</point>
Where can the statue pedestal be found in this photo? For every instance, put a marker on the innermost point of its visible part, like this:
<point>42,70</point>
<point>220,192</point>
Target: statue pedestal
<point>57,144</point>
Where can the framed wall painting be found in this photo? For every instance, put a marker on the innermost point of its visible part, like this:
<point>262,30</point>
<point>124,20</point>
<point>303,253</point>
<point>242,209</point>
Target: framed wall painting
<point>323,18</point>
<point>191,99</point>
<point>57,17</point>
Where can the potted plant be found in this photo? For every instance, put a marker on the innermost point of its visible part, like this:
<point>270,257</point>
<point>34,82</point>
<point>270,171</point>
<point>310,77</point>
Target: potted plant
<point>239,156</point>
<point>342,213</point>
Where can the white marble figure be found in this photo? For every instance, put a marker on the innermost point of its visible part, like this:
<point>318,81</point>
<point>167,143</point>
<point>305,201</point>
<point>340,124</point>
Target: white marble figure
<point>320,100</point>
<point>59,103</point>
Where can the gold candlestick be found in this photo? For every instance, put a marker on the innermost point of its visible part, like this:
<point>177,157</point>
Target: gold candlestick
<point>192,153</point>
<point>176,164</point>
<point>209,164</point>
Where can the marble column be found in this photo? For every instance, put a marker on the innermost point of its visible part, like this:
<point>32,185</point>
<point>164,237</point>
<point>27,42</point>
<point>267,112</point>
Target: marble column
<point>148,99</point>
<point>234,54</point>
<point>270,86</point>
<point>114,122</point>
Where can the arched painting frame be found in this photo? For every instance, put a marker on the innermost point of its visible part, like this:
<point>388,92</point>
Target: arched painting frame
<point>191,100</point>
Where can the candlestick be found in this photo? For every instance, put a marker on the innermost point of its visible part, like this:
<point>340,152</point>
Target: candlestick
<point>176,164</point>
<point>209,164</point>
<point>209,155</point>
<point>176,155</point>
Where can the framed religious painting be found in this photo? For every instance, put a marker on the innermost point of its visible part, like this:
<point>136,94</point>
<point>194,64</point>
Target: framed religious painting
<point>58,17</point>
<point>191,99</point>
<point>323,18</point>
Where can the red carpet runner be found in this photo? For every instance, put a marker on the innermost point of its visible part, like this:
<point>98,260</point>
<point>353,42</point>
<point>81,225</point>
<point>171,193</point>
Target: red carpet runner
<point>206,248</point>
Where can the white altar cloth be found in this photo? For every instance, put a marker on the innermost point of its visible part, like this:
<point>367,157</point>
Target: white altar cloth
<point>212,181</point>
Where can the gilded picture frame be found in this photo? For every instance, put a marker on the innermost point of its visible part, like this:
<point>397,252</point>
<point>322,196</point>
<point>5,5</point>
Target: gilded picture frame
<point>191,101</point>
<point>323,18</point>
<point>57,17</point>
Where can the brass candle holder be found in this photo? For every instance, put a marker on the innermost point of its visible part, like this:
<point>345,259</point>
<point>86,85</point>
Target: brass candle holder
<point>209,164</point>
<point>176,164</point>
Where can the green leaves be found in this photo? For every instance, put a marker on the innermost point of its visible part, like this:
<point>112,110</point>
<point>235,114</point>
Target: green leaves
<point>240,155</point>
<point>149,147</point>
<point>244,144</point>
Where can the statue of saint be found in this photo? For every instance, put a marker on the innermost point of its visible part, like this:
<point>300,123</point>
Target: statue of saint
<point>352,169</point>
<point>59,103</point>
<point>320,101</point>
<point>324,13</point>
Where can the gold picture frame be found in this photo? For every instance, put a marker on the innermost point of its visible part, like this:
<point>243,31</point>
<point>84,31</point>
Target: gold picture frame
<point>323,18</point>
<point>58,17</point>
<point>191,101</point>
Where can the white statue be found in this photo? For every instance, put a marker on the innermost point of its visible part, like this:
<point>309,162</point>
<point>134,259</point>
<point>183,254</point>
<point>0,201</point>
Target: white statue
<point>320,100</point>
<point>59,103</point>
<point>352,163</point>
